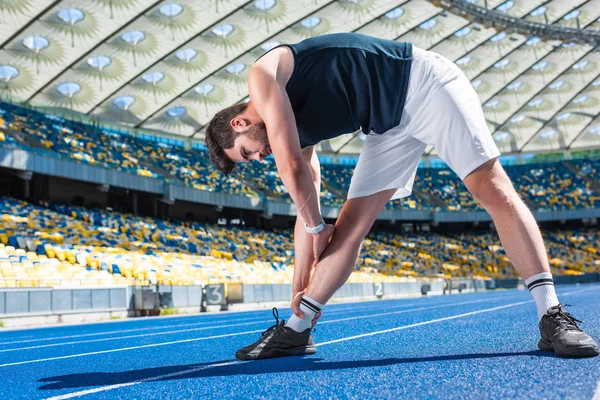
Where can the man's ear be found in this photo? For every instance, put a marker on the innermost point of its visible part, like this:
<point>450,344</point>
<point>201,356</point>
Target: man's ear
<point>238,124</point>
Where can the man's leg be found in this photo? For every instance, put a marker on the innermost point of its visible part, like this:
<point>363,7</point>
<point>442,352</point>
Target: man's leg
<point>516,226</point>
<point>340,256</point>
<point>336,265</point>
<point>524,246</point>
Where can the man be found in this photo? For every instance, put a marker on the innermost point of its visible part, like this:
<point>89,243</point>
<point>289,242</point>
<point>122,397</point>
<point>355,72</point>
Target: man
<point>404,98</point>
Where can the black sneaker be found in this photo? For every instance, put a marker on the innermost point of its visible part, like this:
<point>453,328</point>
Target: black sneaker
<point>278,341</point>
<point>561,335</point>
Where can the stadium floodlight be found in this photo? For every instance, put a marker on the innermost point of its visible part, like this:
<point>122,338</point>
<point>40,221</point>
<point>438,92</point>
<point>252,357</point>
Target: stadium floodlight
<point>572,15</point>
<point>536,102</point>
<point>463,31</point>
<point>223,30</point>
<point>70,16</point>
<point>540,66</point>
<point>176,112</point>
<point>171,9</point>
<point>492,103</point>
<point>270,45</point>
<point>502,64</point>
<point>99,63</point>
<point>541,10</point>
<point>564,116</point>
<point>517,119</point>
<point>501,136</point>
<point>504,7</point>
<point>548,133</point>
<point>581,64</point>
<point>429,24</point>
<point>153,77</point>
<point>186,54</point>
<point>466,60</point>
<point>133,37</point>
<point>395,13</point>
<point>581,99</point>
<point>204,88</point>
<point>68,89</point>
<point>8,72</point>
<point>235,68</point>
<point>35,43</point>
<point>498,37</point>
<point>310,22</point>
<point>264,5</point>
<point>532,41</point>
<point>124,102</point>
<point>515,85</point>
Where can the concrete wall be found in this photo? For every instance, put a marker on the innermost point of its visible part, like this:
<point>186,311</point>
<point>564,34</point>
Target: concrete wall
<point>52,301</point>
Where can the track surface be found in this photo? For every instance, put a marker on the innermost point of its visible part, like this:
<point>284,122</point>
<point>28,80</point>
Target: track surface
<point>478,345</point>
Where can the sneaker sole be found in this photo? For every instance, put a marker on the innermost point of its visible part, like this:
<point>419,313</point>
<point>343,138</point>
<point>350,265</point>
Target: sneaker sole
<point>581,352</point>
<point>298,351</point>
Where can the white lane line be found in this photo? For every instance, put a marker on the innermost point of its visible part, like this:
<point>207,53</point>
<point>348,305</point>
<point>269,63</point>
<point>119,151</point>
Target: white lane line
<point>112,387</point>
<point>153,378</point>
<point>433,321</point>
<point>118,331</point>
<point>112,339</point>
<point>131,348</point>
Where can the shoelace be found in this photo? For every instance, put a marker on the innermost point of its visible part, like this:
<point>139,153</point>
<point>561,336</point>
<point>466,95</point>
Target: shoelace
<point>566,319</point>
<point>276,315</point>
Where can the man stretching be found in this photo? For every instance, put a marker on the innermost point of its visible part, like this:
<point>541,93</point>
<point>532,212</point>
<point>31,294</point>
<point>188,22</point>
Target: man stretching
<point>404,98</point>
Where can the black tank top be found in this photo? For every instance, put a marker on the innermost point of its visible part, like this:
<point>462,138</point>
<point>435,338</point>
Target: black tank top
<point>347,81</point>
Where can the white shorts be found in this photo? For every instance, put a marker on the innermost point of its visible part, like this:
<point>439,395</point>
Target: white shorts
<point>441,110</point>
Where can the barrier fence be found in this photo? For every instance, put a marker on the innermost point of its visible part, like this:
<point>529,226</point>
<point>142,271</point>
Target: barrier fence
<point>148,299</point>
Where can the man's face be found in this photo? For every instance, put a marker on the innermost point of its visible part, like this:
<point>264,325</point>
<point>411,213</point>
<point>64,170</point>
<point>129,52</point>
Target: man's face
<point>251,144</point>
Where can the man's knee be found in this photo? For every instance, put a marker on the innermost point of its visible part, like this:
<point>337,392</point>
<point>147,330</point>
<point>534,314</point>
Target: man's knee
<point>492,188</point>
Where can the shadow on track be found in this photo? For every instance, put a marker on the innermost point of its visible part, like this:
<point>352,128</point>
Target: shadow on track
<point>277,365</point>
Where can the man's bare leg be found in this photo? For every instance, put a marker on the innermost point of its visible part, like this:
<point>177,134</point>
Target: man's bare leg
<point>524,245</point>
<point>517,228</point>
<point>340,256</point>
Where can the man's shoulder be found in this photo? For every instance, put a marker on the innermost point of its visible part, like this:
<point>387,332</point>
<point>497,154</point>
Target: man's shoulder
<point>278,62</point>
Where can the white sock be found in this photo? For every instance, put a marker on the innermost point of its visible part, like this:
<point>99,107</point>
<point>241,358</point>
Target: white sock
<point>541,287</point>
<point>310,308</point>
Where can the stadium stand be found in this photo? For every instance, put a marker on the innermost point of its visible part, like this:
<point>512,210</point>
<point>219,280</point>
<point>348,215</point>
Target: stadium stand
<point>72,246</point>
<point>563,185</point>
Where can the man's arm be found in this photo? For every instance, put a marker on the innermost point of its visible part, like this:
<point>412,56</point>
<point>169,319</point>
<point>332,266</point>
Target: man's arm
<point>303,241</point>
<point>266,83</point>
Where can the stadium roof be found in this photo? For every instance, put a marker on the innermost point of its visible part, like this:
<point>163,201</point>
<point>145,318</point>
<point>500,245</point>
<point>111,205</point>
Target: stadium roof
<point>170,65</point>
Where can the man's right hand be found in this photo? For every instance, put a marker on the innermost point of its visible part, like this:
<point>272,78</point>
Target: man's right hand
<point>296,307</point>
<point>321,240</point>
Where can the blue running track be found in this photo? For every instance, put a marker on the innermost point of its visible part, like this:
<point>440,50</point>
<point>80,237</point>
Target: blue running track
<point>477,345</point>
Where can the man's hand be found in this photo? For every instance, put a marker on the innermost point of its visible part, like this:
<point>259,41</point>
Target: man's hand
<point>296,307</point>
<point>321,240</point>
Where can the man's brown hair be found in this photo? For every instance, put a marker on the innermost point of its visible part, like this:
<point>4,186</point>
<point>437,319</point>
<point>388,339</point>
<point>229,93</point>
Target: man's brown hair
<point>220,136</point>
